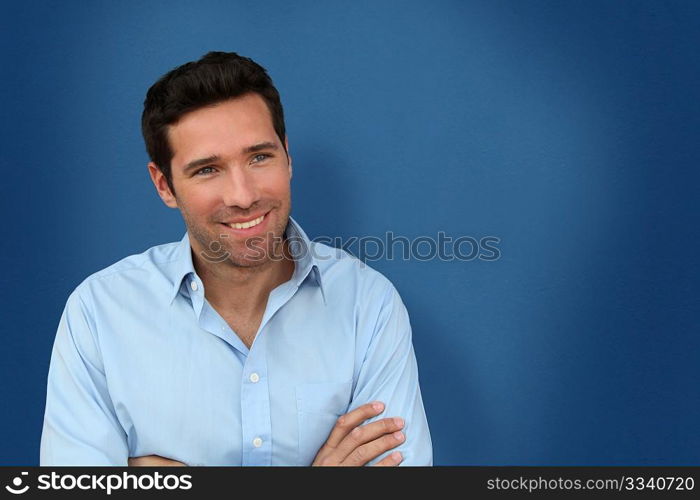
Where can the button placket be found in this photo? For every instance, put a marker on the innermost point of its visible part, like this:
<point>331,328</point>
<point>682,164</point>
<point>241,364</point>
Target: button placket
<point>257,428</point>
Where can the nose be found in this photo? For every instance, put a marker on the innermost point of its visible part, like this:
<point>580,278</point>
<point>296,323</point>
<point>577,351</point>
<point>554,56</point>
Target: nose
<point>240,190</point>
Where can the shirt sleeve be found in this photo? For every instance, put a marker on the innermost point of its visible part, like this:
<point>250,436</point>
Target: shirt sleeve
<point>80,424</point>
<point>389,373</point>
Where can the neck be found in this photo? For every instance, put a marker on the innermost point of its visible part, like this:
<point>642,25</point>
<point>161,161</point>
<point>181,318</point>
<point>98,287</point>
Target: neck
<point>243,290</point>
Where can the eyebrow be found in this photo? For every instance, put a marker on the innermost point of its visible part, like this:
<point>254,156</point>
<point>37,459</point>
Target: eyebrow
<point>214,158</point>
<point>200,162</point>
<point>260,146</point>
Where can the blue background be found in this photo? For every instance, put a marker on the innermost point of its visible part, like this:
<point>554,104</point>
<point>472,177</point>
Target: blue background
<point>569,130</point>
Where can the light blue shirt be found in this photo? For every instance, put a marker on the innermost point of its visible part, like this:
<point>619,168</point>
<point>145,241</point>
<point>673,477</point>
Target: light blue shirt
<point>142,364</point>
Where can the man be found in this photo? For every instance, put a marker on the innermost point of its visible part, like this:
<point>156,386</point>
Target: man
<point>245,343</point>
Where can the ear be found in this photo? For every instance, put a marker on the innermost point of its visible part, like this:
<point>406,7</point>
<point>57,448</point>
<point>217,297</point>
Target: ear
<point>161,184</point>
<point>289,157</point>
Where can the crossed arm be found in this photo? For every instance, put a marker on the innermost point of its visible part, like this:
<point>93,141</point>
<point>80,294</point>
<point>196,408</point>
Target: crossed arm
<point>349,443</point>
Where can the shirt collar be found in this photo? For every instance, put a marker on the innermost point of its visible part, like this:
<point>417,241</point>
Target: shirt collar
<point>306,265</point>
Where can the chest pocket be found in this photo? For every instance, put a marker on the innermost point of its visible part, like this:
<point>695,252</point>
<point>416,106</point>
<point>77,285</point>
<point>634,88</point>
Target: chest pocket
<point>318,407</point>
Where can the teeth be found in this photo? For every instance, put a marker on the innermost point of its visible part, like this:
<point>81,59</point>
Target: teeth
<point>246,225</point>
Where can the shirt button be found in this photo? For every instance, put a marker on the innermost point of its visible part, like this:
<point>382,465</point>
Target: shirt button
<point>254,377</point>
<point>194,285</point>
<point>257,442</point>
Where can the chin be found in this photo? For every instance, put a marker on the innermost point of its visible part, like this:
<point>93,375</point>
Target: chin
<point>248,263</point>
<point>260,255</point>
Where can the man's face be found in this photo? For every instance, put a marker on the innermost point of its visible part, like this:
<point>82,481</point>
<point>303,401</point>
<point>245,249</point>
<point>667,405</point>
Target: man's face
<point>230,167</point>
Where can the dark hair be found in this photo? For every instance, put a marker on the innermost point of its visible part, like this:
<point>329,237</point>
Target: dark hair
<point>216,77</point>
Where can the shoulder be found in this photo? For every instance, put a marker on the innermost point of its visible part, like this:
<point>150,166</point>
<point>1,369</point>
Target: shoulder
<point>356,290</point>
<point>136,271</point>
<point>349,283</point>
<point>344,272</point>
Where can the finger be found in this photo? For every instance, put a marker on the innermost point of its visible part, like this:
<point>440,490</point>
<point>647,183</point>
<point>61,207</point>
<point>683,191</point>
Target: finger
<point>391,460</point>
<point>153,461</point>
<point>367,433</point>
<point>352,419</point>
<point>371,450</point>
<point>143,461</point>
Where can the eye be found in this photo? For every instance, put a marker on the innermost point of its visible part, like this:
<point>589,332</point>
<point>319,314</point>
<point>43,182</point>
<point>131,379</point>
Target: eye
<point>203,171</point>
<point>260,157</point>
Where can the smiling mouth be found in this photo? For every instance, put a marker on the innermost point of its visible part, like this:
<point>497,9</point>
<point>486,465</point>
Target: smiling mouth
<point>247,224</point>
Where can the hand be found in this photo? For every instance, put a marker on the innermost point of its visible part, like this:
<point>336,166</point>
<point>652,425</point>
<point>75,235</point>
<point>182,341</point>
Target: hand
<point>350,444</point>
<point>154,461</point>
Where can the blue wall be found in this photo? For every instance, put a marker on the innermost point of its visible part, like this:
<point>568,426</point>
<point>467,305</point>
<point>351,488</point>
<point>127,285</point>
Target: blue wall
<point>566,129</point>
